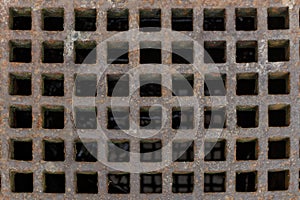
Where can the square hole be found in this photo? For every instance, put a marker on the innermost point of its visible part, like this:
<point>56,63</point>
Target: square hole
<point>279,83</point>
<point>85,19</point>
<point>20,84</point>
<point>118,151</point>
<point>53,52</point>
<point>86,117</point>
<point>278,180</point>
<point>85,85</point>
<point>215,182</point>
<point>246,181</point>
<point>20,51</point>
<point>150,117</point>
<point>53,84</point>
<point>246,149</point>
<point>87,182</point>
<point>20,18</point>
<point>86,151</point>
<point>182,52</point>
<point>20,116</point>
<point>53,117</point>
<point>183,182</point>
<point>215,84</point>
<point>54,182</point>
<point>117,20</point>
<point>183,85</point>
<point>21,150</point>
<point>22,182</point>
<point>279,148</point>
<point>182,118</point>
<point>278,50</point>
<point>246,51</point>
<point>150,85</point>
<point>247,116</point>
<point>214,118</point>
<point>215,150</point>
<point>183,151</point>
<point>150,52</point>
<point>118,183</point>
<point>246,19</point>
<point>278,18</point>
<point>54,150</point>
<point>214,20</point>
<point>214,51</point>
<point>85,52</point>
<point>247,84</point>
<point>118,118</point>
<point>53,19</point>
<point>182,19</point>
<point>150,151</point>
<point>150,20</point>
<point>279,115</point>
<point>151,183</point>
<point>117,85</point>
<point>117,52</point>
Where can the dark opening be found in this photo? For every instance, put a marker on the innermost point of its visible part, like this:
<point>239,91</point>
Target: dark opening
<point>118,151</point>
<point>183,182</point>
<point>279,83</point>
<point>22,150</point>
<point>214,182</point>
<point>86,118</point>
<point>20,51</point>
<point>20,84</point>
<point>278,50</point>
<point>278,18</point>
<point>53,19</point>
<point>214,20</point>
<point>215,150</point>
<point>150,85</point>
<point>150,151</point>
<point>246,181</point>
<point>215,84</point>
<point>214,118</point>
<point>53,52</point>
<point>279,149</point>
<point>247,116</point>
<point>117,85</point>
<point>22,182</point>
<point>118,118</point>
<point>118,183</point>
<point>54,183</point>
<point>278,180</point>
<point>117,20</point>
<point>215,52</point>
<point>183,151</point>
<point>53,117</point>
<point>117,53</point>
<point>85,52</point>
<point>85,19</point>
<point>87,183</point>
<point>247,84</point>
<point>150,20</point>
<point>246,150</point>
<point>246,51</point>
<point>150,117</point>
<point>279,115</point>
<point>151,183</point>
<point>150,52</point>
<point>86,85</point>
<point>20,18</point>
<point>54,150</point>
<point>182,118</point>
<point>53,85</point>
<point>182,52</point>
<point>86,151</point>
<point>182,19</point>
<point>246,19</point>
<point>20,117</point>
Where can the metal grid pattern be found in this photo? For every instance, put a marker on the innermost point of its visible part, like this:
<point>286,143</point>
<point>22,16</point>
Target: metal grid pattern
<point>201,173</point>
